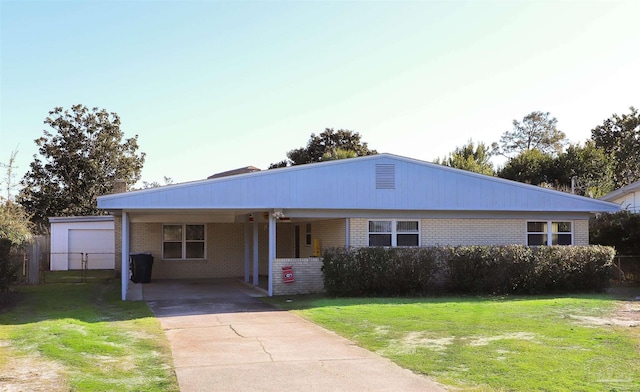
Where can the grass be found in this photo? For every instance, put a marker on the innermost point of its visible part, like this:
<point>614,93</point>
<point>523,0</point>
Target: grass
<point>490,344</point>
<point>81,337</point>
<point>78,276</point>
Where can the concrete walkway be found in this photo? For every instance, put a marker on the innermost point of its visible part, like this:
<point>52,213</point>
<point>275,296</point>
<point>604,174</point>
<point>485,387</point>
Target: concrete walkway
<point>224,339</point>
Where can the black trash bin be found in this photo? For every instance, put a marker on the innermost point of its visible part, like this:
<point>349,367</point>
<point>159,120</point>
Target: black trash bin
<point>141,264</point>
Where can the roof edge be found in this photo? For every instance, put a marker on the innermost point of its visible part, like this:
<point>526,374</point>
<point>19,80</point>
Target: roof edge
<point>70,219</point>
<point>634,186</point>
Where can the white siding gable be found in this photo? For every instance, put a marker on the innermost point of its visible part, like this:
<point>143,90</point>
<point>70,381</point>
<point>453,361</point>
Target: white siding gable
<point>628,197</point>
<point>378,182</point>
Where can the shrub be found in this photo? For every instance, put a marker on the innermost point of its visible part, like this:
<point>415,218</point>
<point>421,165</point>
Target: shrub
<point>572,268</point>
<point>511,269</point>
<point>15,229</point>
<point>490,269</point>
<point>620,230</point>
<point>380,271</point>
<point>8,267</point>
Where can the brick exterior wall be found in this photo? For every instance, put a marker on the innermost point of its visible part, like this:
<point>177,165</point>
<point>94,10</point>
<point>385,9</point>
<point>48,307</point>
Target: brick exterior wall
<point>307,275</point>
<point>358,232</point>
<point>581,232</point>
<point>225,246</point>
<point>457,232</point>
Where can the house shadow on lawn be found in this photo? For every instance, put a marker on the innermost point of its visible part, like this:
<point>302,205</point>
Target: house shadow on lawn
<point>625,292</point>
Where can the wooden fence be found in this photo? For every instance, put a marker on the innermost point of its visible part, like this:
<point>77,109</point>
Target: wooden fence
<point>33,258</point>
<point>627,268</point>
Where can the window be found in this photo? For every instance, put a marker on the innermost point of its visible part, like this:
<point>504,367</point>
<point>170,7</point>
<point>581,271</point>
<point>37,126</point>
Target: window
<point>307,235</point>
<point>183,241</point>
<point>394,233</point>
<point>539,233</point>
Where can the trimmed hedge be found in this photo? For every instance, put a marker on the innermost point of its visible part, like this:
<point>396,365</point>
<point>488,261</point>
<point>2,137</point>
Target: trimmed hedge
<point>380,271</point>
<point>512,269</point>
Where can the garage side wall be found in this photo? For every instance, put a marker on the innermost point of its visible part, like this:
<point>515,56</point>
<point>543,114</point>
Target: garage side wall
<point>117,230</point>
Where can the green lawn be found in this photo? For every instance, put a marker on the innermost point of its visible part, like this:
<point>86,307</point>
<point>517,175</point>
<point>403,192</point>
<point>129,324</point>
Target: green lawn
<point>81,337</point>
<point>490,344</point>
<point>78,276</point>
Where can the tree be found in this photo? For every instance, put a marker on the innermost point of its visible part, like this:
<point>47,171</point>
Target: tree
<point>619,137</point>
<point>338,153</point>
<point>15,230</point>
<point>15,227</point>
<point>620,230</point>
<point>156,184</point>
<point>537,131</point>
<point>78,163</point>
<point>471,158</point>
<point>9,181</point>
<point>585,169</point>
<point>329,145</point>
<point>531,167</point>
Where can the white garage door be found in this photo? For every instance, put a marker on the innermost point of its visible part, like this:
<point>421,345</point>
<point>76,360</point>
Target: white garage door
<point>97,244</point>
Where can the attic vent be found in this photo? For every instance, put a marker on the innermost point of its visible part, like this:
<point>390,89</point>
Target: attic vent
<point>385,176</point>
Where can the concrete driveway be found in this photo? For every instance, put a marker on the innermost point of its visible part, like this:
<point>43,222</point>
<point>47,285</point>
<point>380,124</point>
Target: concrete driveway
<point>224,339</point>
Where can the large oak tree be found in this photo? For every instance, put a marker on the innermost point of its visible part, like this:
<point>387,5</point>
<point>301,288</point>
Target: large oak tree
<point>619,137</point>
<point>328,145</point>
<point>79,161</point>
<point>537,131</point>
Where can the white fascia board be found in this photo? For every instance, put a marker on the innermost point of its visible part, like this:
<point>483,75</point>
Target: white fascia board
<point>332,214</point>
<point>71,219</point>
<point>622,191</point>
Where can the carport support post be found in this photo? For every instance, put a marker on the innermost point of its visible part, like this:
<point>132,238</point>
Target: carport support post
<point>255,253</point>
<point>347,233</point>
<point>124,272</point>
<point>247,247</point>
<point>272,250</point>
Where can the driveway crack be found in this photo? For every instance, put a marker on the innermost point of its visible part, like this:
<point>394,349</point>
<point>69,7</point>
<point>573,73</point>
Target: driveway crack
<point>265,350</point>
<point>236,332</point>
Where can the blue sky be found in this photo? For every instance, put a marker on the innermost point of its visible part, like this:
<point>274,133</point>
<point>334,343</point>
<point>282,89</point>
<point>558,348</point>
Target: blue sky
<point>210,86</point>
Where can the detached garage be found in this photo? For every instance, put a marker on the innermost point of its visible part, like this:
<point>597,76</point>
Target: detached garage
<point>77,240</point>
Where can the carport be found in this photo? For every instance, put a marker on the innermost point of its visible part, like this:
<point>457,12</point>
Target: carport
<point>182,290</point>
<point>236,243</point>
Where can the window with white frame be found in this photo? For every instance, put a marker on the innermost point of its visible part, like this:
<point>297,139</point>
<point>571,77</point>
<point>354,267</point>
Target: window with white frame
<point>183,241</point>
<point>549,233</point>
<point>394,233</point>
<point>307,234</point>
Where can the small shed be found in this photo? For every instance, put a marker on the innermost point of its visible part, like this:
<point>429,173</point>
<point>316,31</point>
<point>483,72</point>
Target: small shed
<point>76,240</point>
